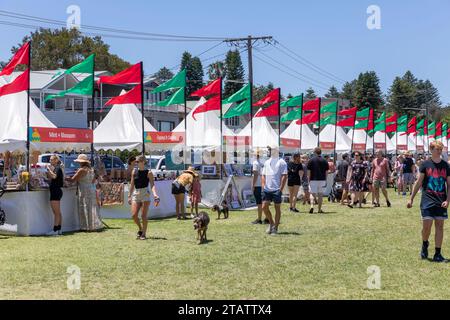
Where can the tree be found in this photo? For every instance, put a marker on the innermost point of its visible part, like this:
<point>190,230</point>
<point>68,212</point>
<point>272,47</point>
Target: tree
<point>310,94</point>
<point>163,75</point>
<point>367,91</point>
<point>402,96</point>
<point>348,90</point>
<point>194,72</point>
<point>332,93</point>
<point>234,73</point>
<point>427,96</point>
<point>62,48</point>
<point>260,91</point>
<point>216,70</point>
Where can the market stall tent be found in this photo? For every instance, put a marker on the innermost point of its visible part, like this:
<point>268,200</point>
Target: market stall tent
<point>403,142</point>
<point>263,133</point>
<point>327,139</point>
<point>382,144</point>
<point>290,138</point>
<point>361,141</point>
<point>13,126</point>
<point>121,129</point>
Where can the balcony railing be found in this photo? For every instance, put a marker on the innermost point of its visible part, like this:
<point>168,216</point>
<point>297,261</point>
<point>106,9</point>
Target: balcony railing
<point>148,106</point>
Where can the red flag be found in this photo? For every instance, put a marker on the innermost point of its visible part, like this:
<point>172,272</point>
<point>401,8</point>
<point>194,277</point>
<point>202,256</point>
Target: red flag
<point>370,124</point>
<point>19,84</point>
<point>310,118</point>
<point>21,57</point>
<point>132,96</point>
<point>393,118</point>
<point>349,122</point>
<point>212,104</point>
<point>311,105</point>
<point>272,96</point>
<point>438,129</point>
<point>391,128</point>
<point>412,126</point>
<point>448,133</point>
<point>270,111</point>
<point>348,112</point>
<point>130,75</point>
<point>210,89</point>
<point>425,127</point>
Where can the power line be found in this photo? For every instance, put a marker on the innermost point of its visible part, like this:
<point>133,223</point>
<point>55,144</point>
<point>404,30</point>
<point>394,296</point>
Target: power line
<point>307,63</point>
<point>289,73</point>
<point>114,30</point>
<point>291,69</point>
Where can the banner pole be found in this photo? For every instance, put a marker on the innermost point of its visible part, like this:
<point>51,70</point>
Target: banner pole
<point>142,108</point>
<point>28,110</point>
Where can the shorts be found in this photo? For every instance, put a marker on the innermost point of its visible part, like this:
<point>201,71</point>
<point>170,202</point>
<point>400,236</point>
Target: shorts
<point>317,186</point>
<point>305,186</point>
<point>257,194</point>
<point>380,183</point>
<point>434,213</point>
<point>408,178</point>
<point>141,195</point>
<point>177,188</point>
<point>270,196</point>
<point>56,194</point>
<point>292,183</point>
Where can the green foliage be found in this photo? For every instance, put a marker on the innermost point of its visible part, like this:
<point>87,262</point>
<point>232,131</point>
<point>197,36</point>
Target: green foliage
<point>332,93</point>
<point>348,91</point>
<point>310,94</point>
<point>163,75</point>
<point>234,73</point>
<point>217,70</point>
<point>260,91</point>
<point>194,72</point>
<point>62,48</point>
<point>367,91</point>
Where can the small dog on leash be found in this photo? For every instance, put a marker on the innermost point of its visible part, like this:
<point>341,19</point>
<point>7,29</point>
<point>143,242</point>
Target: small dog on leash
<point>221,209</point>
<point>201,225</point>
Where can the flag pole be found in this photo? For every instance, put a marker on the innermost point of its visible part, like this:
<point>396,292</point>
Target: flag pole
<point>353,132</point>
<point>279,118</point>
<point>301,126</point>
<point>318,135</point>
<point>385,133</point>
<point>335,129</point>
<point>93,110</point>
<point>142,108</point>
<point>185,120</point>
<point>28,110</point>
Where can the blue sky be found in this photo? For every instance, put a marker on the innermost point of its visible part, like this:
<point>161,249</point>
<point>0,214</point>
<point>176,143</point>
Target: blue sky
<point>331,34</point>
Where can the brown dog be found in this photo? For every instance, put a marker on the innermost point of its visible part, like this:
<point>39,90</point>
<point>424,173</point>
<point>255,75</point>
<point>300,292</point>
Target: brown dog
<point>221,209</point>
<point>201,225</point>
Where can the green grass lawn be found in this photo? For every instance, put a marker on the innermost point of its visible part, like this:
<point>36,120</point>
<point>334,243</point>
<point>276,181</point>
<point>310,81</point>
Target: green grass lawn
<point>314,257</point>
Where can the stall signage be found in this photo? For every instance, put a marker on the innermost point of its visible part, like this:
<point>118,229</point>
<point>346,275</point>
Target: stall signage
<point>164,137</point>
<point>39,134</point>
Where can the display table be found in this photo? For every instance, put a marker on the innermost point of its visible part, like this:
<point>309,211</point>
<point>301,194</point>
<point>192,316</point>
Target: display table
<point>32,214</point>
<point>165,209</point>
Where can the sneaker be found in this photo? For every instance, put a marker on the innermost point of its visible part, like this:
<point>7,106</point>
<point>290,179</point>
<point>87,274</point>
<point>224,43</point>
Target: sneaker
<point>192,216</point>
<point>404,194</point>
<point>274,231</point>
<point>438,258</point>
<point>290,209</point>
<point>266,221</point>
<point>142,237</point>
<point>424,253</point>
<point>321,211</point>
<point>139,234</point>
<point>257,221</point>
<point>269,229</point>
<point>60,233</point>
<point>295,210</point>
<point>311,210</point>
<point>388,204</point>
<point>52,233</point>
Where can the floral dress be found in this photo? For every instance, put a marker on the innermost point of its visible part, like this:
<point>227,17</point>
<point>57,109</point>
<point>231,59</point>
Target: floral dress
<point>359,174</point>
<point>87,203</point>
<point>196,196</point>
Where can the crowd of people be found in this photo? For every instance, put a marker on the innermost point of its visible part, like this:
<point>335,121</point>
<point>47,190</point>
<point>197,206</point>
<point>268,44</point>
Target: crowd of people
<point>359,176</point>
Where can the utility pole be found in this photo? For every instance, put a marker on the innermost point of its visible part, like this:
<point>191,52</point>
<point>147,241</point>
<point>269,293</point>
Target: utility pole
<point>249,42</point>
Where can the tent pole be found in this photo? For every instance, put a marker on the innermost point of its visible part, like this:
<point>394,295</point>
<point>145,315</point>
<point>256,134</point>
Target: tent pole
<point>221,131</point>
<point>335,129</point>
<point>92,111</point>
<point>28,112</point>
<point>142,108</point>
<point>318,135</point>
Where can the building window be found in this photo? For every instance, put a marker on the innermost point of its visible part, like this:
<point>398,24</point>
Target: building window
<point>37,102</point>
<point>50,105</point>
<point>166,126</point>
<point>232,122</point>
<point>78,105</point>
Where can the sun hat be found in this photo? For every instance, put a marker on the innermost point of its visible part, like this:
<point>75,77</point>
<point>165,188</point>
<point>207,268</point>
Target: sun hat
<point>191,170</point>
<point>82,158</point>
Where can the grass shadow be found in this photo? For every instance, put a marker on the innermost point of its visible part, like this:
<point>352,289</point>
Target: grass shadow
<point>156,238</point>
<point>289,233</point>
<point>204,242</point>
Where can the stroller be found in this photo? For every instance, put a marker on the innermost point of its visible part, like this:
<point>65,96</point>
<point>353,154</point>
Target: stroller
<point>336,192</point>
<point>2,213</point>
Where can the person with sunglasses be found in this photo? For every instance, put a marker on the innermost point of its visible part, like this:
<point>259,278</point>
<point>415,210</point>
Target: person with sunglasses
<point>356,177</point>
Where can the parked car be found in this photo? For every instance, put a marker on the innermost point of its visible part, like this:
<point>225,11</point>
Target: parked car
<point>70,166</point>
<point>157,165</point>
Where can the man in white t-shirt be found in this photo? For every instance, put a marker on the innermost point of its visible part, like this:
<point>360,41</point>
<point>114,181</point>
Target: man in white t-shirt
<point>273,180</point>
<point>257,168</point>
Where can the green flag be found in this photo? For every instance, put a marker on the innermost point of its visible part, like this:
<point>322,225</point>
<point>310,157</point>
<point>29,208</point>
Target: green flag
<point>178,81</point>
<point>402,120</point>
<point>241,94</point>
<point>82,88</point>
<point>292,115</point>
<point>176,98</point>
<point>239,110</point>
<point>293,102</point>
<point>444,130</point>
<point>420,127</point>
<point>329,108</point>
<point>364,113</point>
<point>432,129</point>
<point>328,120</point>
<point>362,124</point>
<point>382,118</point>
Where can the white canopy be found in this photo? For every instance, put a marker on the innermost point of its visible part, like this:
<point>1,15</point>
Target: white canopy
<point>263,133</point>
<point>380,139</point>
<point>121,129</point>
<point>360,138</point>
<point>292,134</point>
<point>13,126</point>
<point>343,142</point>
<point>204,130</point>
<point>403,142</point>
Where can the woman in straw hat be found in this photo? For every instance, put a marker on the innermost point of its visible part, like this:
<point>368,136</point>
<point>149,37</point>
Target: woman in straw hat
<point>87,199</point>
<point>179,186</point>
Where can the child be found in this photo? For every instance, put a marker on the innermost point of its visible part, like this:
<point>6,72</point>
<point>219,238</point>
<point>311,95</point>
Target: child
<point>195,195</point>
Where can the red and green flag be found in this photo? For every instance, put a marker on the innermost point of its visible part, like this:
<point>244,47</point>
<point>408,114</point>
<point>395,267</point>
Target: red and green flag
<point>296,113</point>
<point>243,107</point>
<point>350,121</point>
<point>212,90</point>
<point>20,57</point>
<point>177,84</point>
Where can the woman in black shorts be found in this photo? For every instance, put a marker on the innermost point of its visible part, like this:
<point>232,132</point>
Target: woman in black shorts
<point>56,176</point>
<point>295,175</point>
